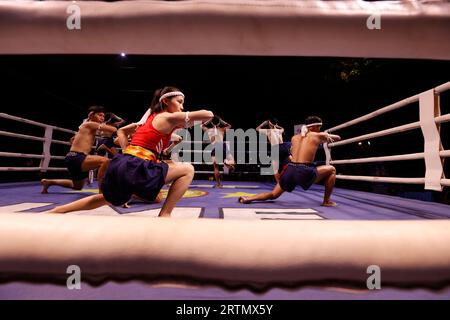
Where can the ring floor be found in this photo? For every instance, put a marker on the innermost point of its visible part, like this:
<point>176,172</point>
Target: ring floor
<point>204,201</point>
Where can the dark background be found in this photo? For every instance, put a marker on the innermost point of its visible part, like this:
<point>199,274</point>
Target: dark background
<point>244,91</point>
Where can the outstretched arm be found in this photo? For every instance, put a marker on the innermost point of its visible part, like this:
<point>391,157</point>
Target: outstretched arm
<point>182,118</point>
<point>99,127</point>
<point>327,137</point>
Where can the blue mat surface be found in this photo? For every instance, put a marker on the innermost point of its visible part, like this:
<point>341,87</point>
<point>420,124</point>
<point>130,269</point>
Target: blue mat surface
<point>216,203</point>
<point>204,201</point>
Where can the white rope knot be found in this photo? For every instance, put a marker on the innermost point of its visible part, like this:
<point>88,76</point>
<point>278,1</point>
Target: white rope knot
<point>304,131</point>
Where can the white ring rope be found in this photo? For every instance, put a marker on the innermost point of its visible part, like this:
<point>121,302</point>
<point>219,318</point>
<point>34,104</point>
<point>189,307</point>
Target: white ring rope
<point>47,141</point>
<point>39,124</point>
<point>383,179</point>
<point>46,157</point>
<point>377,134</point>
<point>430,118</point>
<point>376,113</point>
<point>442,87</point>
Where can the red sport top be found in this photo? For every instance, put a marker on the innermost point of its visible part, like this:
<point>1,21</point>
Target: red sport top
<point>148,137</point>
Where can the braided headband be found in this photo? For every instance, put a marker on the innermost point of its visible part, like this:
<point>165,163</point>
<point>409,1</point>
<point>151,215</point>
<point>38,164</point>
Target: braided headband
<point>171,94</point>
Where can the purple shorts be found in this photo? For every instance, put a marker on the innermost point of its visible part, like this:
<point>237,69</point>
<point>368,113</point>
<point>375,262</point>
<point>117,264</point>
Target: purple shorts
<point>127,175</point>
<point>73,162</point>
<point>297,174</point>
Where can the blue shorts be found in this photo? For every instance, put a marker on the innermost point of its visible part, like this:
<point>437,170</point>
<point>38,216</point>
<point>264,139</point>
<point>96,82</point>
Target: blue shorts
<point>284,151</point>
<point>107,141</point>
<point>127,175</point>
<point>73,162</point>
<point>297,174</point>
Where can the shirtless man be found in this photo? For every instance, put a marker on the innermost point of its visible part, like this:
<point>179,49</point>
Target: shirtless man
<point>301,169</point>
<point>78,161</point>
<point>274,134</point>
<point>216,128</point>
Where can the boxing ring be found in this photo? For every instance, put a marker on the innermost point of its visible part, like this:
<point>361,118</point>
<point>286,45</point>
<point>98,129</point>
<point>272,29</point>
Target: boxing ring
<point>430,119</point>
<point>291,248</point>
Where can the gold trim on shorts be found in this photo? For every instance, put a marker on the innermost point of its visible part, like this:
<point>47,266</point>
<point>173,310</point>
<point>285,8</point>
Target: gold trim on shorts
<point>141,152</point>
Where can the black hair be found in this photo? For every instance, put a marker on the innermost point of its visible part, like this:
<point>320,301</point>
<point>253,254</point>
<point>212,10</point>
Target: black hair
<point>312,119</point>
<point>157,106</point>
<point>96,109</point>
<point>274,121</point>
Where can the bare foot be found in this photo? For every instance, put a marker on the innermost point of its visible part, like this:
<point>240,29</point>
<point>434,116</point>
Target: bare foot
<point>126,205</point>
<point>243,200</point>
<point>329,203</point>
<point>45,185</point>
<point>164,215</point>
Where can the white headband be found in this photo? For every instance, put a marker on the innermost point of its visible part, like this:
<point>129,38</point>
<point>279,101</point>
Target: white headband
<point>171,94</point>
<point>305,130</point>
<point>314,124</point>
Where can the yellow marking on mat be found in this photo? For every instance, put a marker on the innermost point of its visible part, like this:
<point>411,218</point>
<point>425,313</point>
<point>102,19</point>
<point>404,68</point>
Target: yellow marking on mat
<point>86,191</point>
<point>237,194</point>
<point>188,194</point>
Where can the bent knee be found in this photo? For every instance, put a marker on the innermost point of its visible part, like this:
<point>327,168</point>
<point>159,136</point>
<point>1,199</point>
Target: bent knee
<point>329,170</point>
<point>188,169</point>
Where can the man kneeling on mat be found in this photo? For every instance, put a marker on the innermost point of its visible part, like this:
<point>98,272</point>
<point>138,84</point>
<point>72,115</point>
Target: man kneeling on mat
<point>300,169</point>
<point>78,161</point>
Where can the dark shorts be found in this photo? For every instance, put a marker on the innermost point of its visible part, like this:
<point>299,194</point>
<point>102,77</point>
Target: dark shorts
<point>107,141</point>
<point>73,162</point>
<point>127,175</point>
<point>284,151</point>
<point>296,174</point>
